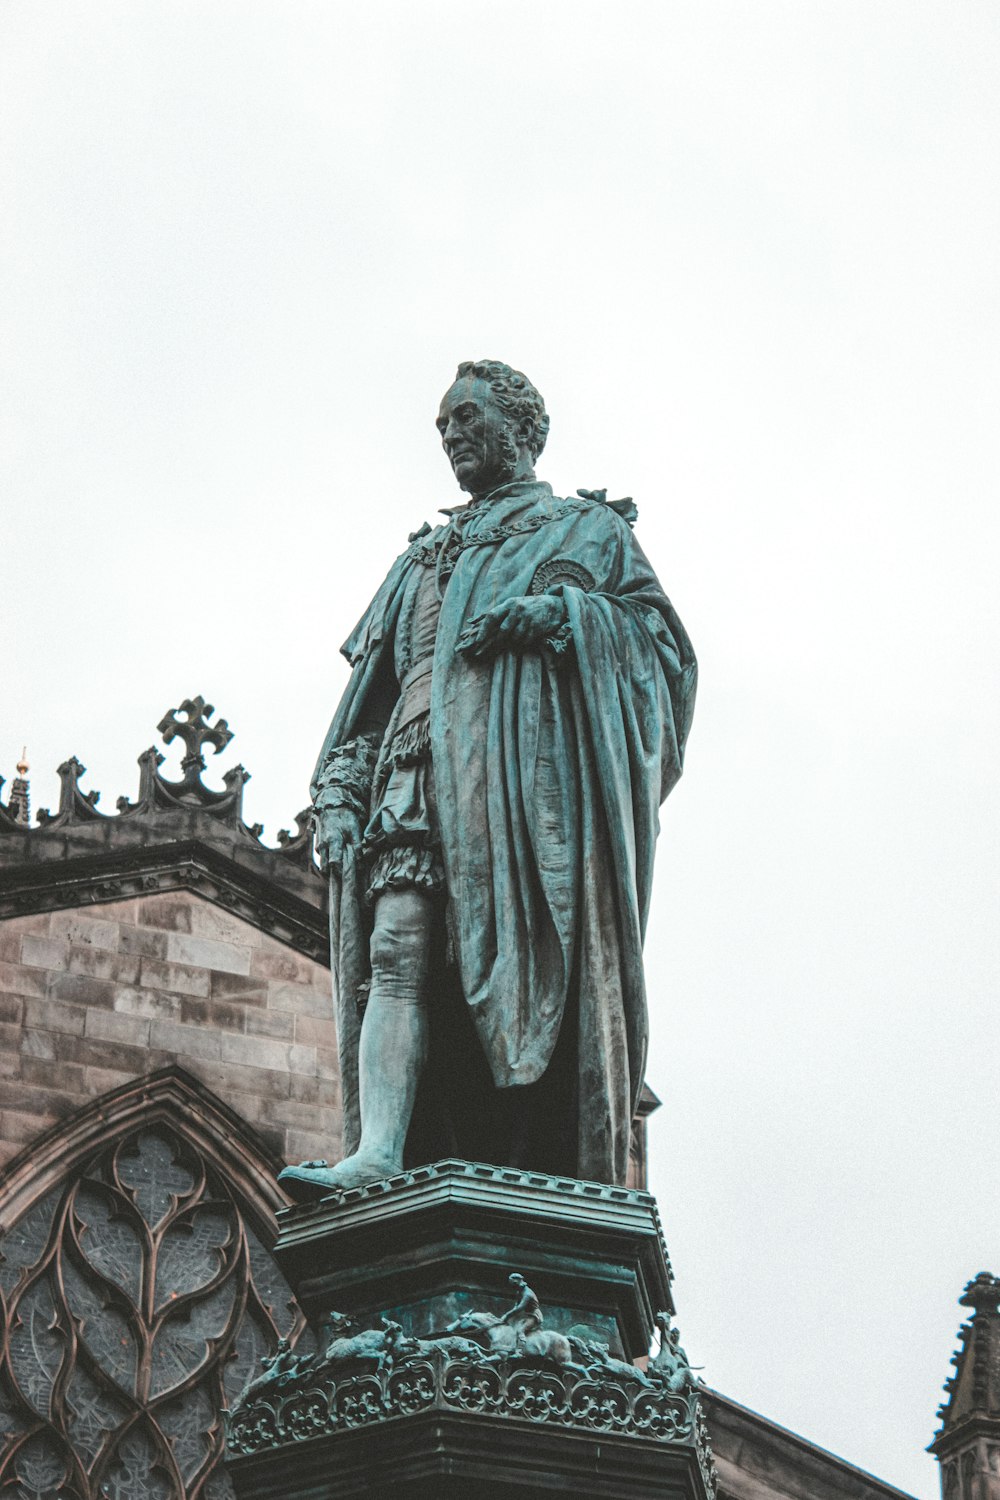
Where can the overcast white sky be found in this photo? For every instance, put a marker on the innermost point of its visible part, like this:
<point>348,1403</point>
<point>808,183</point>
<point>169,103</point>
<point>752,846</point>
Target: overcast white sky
<point>748,252</point>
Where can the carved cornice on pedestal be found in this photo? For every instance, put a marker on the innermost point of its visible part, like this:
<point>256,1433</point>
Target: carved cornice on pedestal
<point>603,1239</point>
<point>427,1383</point>
<point>504,1366</point>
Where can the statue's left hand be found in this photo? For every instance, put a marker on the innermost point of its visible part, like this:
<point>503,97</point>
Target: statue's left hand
<point>515,625</point>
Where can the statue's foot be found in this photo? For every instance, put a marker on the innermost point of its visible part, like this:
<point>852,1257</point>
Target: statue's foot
<point>314,1179</point>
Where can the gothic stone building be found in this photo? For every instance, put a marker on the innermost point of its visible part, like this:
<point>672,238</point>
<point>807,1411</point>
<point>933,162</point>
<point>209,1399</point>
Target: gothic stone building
<point>166,1044</point>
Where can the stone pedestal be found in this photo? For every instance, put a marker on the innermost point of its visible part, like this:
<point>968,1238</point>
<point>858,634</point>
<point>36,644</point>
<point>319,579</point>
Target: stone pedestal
<point>477,1328</point>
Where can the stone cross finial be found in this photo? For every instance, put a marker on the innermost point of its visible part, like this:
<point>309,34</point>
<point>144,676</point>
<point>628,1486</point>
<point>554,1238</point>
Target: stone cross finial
<point>196,732</point>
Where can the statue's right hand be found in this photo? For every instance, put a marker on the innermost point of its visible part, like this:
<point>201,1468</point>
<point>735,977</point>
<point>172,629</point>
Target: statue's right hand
<point>337,829</point>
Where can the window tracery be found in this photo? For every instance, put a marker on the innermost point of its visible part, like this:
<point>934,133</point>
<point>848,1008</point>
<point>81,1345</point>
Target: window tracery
<point>137,1300</point>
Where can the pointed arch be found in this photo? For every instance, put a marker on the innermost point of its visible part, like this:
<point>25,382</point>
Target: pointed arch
<point>138,1294</point>
<point>171,1094</point>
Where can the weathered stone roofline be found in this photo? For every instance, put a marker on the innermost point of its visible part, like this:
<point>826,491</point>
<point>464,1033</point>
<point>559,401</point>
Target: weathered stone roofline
<point>175,834</point>
<point>750,1447</point>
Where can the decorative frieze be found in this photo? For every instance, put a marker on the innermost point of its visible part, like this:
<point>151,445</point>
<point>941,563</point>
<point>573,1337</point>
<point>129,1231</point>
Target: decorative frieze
<point>505,1366</point>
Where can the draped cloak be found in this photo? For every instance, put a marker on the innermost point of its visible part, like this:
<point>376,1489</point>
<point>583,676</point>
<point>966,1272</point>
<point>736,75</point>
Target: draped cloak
<point>550,765</point>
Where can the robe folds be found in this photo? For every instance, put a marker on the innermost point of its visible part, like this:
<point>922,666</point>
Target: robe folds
<point>550,765</point>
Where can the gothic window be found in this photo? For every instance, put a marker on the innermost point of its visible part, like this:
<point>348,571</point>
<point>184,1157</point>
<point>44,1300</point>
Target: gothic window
<point>136,1301</point>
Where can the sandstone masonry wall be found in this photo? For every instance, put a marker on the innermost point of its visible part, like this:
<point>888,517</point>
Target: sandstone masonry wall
<point>91,999</point>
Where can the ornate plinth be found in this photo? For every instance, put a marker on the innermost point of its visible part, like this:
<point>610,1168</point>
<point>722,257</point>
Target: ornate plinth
<point>476,1326</point>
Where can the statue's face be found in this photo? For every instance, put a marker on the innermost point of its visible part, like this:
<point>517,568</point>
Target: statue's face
<point>477,436</point>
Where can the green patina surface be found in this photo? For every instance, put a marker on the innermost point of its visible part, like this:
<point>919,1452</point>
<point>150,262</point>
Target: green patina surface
<point>488,805</point>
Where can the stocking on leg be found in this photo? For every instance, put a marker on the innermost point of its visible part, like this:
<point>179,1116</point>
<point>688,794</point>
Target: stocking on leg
<point>393,1046</point>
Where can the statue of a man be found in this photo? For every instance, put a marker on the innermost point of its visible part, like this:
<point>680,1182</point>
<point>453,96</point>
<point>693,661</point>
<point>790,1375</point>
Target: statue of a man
<point>487,806</point>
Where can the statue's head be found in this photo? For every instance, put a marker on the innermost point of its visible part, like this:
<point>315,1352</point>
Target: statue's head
<point>493,425</point>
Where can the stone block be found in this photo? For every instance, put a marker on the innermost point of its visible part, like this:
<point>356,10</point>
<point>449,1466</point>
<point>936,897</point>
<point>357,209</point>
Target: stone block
<point>241,987</point>
<point>305,1088</point>
<point>309,1089</point>
<point>80,989</point>
<point>123,912</point>
<point>317,1031</point>
<point>328,1063</point>
<point>302,1059</point>
<point>274,1141</point>
<point>98,963</point>
<point>211,921</point>
<point>295,1115</point>
<point>42,952</point>
<point>17,979</point>
<point>34,922</point>
<point>179,979</point>
<point>255,1052</point>
<point>216,1013</point>
<point>10,945</point>
<point>169,911</point>
<point>277,1023</point>
<point>155,1004</point>
<point>229,1079</point>
<point>310,1145</point>
<point>121,1057</point>
<point>89,932</point>
<point>185,1041</point>
<point>10,1036</point>
<point>54,1015</point>
<point>103,1080</point>
<point>208,953</point>
<point>282,964</point>
<point>39,1044</point>
<point>32,1099</point>
<point>11,1009</point>
<point>18,1129</point>
<point>63,1078</point>
<point>148,942</point>
<point>296,997</point>
<point>113,1026</point>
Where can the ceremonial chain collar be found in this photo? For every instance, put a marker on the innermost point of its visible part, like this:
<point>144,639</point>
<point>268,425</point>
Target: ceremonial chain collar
<point>442,552</point>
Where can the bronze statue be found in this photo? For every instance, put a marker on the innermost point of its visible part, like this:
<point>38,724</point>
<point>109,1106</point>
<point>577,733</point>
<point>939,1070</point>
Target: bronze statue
<point>487,807</point>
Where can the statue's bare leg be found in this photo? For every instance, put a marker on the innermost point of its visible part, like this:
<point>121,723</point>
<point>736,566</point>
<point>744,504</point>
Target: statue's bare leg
<point>393,1046</point>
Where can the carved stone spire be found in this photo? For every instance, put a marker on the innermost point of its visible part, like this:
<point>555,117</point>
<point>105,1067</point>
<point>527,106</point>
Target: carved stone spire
<point>968,1443</point>
<point>19,801</point>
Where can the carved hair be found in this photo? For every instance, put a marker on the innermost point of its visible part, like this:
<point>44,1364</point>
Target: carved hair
<point>514,394</point>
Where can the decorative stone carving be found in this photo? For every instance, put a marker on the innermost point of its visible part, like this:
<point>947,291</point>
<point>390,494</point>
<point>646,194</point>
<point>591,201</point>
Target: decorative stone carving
<point>175,833</point>
<point>136,1298</point>
<point>75,806</point>
<point>506,1365</point>
<point>17,813</point>
<point>195,731</point>
<point>10,821</point>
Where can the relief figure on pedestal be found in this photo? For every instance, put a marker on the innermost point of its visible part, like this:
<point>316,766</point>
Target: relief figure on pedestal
<point>487,806</point>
